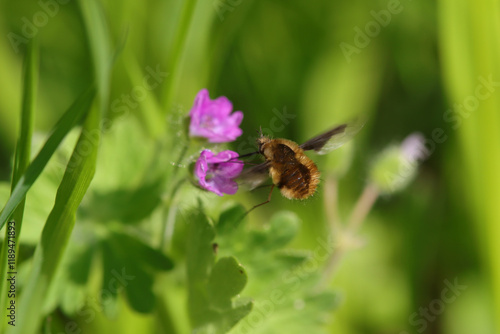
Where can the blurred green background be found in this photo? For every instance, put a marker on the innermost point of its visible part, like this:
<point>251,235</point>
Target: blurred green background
<point>409,65</point>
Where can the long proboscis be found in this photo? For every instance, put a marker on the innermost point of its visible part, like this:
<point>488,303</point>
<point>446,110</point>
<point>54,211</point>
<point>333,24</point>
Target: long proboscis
<point>248,155</point>
<point>234,160</point>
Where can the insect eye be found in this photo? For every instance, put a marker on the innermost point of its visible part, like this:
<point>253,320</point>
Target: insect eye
<point>260,147</point>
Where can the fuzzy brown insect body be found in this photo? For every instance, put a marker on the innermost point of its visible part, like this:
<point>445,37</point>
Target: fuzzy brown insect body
<point>293,172</point>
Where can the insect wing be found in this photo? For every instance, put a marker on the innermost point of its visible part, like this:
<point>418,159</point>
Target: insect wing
<point>334,138</point>
<point>254,176</point>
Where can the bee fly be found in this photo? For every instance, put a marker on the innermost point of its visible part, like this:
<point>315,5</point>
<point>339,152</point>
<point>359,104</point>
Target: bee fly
<point>293,172</point>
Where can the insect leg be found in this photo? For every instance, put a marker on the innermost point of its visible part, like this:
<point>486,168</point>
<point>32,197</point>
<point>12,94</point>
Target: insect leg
<point>268,200</point>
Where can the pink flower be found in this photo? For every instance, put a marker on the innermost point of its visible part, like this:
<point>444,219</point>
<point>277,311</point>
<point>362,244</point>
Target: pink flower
<point>215,173</point>
<point>212,119</point>
<point>413,147</point>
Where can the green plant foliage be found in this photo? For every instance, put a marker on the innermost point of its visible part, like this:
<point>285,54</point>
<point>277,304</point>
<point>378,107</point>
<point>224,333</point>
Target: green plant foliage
<point>226,280</point>
<point>130,252</point>
<point>59,225</point>
<point>100,46</point>
<point>212,284</point>
<point>119,234</point>
<point>471,75</point>
<point>66,123</point>
<point>284,280</point>
<point>113,252</point>
<point>21,158</point>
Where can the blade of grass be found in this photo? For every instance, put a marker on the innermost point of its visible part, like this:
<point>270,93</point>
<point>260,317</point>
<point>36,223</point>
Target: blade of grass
<point>70,118</point>
<point>174,61</point>
<point>100,47</point>
<point>21,160</point>
<point>151,113</point>
<point>469,34</point>
<point>23,149</point>
<point>57,230</point>
<point>79,173</point>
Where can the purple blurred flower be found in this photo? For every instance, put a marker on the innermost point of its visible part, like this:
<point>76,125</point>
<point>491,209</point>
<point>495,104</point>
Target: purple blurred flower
<point>212,119</point>
<point>413,147</point>
<point>215,173</point>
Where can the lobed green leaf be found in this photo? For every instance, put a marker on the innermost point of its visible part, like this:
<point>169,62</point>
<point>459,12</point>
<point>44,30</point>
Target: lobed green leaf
<point>227,279</point>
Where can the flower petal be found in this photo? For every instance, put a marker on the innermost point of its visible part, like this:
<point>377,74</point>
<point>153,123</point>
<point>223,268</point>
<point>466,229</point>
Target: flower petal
<point>223,156</point>
<point>232,169</point>
<point>236,118</point>
<point>199,101</point>
<point>215,172</point>
<point>212,119</point>
<point>201,169</point>
<point>221,107</point>
<point>211,186</point>
<point>224,185</point>
<point>413,147</point>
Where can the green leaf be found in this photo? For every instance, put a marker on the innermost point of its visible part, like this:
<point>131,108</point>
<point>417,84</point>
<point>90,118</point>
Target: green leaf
<point>300,314</point>
<point>22,156</point>
<point>123,273</point>
<point>178,48</point>
<point>100,47</point>
<point>282,282</point>
<point>151,114</point>
<point>224,322</point>
<point>124,205</point>
<point>135,262</point>
<point>23,148</point>
<point>121,250</point>
<point>109,281</point>
<point>73,297</point>
<point>230,219</point>
<point>140,293</point>
<point>212,286</point>
<point>68,289</point>
<point>70,118</point>
<point>134,250</point>
<point>227,279</point>
<point>59,225</point>
<point>291,258</point>
<point>200,258</point>
<point>200,255</point>
<point>281,229</point>
<point>469,32</point>
<point>284,225</point>
<point>79,268</point>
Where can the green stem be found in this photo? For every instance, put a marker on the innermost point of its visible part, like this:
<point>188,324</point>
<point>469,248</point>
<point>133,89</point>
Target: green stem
<point>182,155</point>
<point>345,236</point>
<point>169,215</point>
<point>363,206</point>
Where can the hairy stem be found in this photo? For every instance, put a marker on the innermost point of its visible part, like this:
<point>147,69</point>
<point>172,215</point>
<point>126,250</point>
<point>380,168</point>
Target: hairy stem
<point>363,206</point>
<point>344,236</point>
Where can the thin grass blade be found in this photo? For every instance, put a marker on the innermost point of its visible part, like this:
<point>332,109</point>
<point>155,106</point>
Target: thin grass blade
<point>57,231</point>
<point>100,47</point>
<point>21,162</point>
<point>70,118</point>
